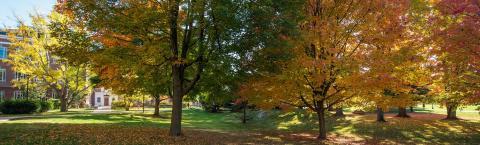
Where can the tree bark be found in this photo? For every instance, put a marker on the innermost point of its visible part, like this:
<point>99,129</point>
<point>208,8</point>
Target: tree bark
<point>411,109</point>
<point>157,106</point>
<point>320,108</point>
<point>380,115</point>
<point>339,112</point>
<point>322,131</point>
<point>451,111</point>
<point>177,71</point>
<point>63,104</point>
<point>63,101</point>
<point>402,112</point>
<point>176,124</point>
<point>244,119</point>
<point>143,104</point>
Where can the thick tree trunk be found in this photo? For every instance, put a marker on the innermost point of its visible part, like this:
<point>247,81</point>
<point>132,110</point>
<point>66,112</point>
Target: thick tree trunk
<point>380,115</point>
<point>176,124</point>
<point>402,112</point>
<point>322,131</point>
<point>157,106</point>
<point>411,109</point>
<point>339,112</point>
<point>452,111</point>
<point>63,104</point>
<point>63,100</point>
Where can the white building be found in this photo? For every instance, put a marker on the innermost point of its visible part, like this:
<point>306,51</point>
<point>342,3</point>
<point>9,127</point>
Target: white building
<point>101,98</point>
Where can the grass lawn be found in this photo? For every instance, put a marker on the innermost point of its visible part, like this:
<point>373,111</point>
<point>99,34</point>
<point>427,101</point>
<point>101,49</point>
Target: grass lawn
<point>134,127</point>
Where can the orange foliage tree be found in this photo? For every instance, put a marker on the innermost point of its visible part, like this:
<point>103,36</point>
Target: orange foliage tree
<point>326,64</point>
<point>456,51</point>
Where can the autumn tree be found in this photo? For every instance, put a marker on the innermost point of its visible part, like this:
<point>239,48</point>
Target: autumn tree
<point>179,37</point>
<point>457,44</point>
<point>326,63</point>
<point>31,54</point>
<point>155,83</point>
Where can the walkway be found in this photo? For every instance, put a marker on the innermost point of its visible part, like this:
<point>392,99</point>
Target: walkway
<point>7,118</point>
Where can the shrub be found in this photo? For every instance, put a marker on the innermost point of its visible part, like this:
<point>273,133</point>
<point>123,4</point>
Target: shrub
<point>18,106</point>
<point>45,106</point>
<point>118,104</point>
<point>56,103</point>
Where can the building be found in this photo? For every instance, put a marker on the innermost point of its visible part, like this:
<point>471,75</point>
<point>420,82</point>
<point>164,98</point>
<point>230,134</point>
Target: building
<point>101,98</point>
<point>7,90</point>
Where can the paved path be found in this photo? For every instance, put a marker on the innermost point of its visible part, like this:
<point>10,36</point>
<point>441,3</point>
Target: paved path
<point>103,111</point>
<point>7,118</point>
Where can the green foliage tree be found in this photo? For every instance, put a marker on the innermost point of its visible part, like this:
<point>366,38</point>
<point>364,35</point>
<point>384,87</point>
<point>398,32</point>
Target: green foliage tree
<point>178,37</point>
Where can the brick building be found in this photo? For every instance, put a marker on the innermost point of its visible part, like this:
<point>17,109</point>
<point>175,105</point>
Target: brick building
<point>7,90</point>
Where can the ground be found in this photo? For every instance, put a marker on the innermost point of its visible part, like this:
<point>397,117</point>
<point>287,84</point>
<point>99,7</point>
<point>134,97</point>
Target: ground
<point>273,127</point>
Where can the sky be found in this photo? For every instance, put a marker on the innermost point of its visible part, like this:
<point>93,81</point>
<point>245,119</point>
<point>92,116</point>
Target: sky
<point>22,8</point>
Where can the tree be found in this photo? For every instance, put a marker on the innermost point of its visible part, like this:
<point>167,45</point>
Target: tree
<point>398,68</point>
<point>324,66</point>
<point>154,83</point>
<point>31,54</point>
<point>456,53</point>
<point>179,37</point>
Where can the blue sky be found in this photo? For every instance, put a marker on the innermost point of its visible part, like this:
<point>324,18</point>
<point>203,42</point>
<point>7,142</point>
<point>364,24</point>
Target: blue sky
<point>22,9</point>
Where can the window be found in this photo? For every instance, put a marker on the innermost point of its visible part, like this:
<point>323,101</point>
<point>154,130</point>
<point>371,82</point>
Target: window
<point>3,52</point>
<point>18,94</point>
<point>99,99</point>
<point>3,74</point>
<point>54,94</point>
<point>19,76</point>
<point>2,95</point>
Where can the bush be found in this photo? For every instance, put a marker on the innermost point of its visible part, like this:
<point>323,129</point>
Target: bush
<point>45,106</point>
<point>118,104</point>
<point>56,103</point>
<point>18,106</point>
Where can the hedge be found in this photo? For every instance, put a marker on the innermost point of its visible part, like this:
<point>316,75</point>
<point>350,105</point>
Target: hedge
<point>25,106</point>
<point>19,106</point>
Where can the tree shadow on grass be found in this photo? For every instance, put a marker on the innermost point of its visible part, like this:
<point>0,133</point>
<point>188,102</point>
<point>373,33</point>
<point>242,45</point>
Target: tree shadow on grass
<point>122,119</point>
<point>415,131</point>
<point>45,133</point>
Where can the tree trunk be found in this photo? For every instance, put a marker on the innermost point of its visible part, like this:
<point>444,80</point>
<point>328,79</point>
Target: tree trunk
<point>63,104</point>
<point>143,104</point>
<point>322,131</point>
<point>402,112</point>
<point>380,115</point>
<point>244,119</point>
<point>63,101</point>
<point>339,112</point>
<point>176,124</point>
<point>157,106</point>
<point>451,111</point>
<point>423,105</point>
<point>411,109</point>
